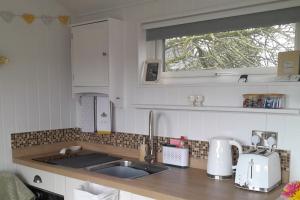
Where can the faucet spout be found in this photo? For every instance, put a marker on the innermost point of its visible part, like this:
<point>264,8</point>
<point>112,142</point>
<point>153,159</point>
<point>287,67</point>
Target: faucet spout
<point>150,156</point>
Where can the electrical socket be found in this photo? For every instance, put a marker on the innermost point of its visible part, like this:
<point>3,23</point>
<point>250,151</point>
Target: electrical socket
<point>264,136</point>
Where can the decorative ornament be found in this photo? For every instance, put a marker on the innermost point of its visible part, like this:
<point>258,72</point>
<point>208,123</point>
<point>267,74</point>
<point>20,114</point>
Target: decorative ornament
<point>3,60</point>
<point>7,16</point>
<point>28,18</point>
<point>46,19</point>
<point>64,19</point>
<point>296,196</point>
<point>292,191</point>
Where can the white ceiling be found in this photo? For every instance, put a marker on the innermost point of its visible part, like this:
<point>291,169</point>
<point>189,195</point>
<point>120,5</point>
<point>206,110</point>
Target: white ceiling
<point>78,7</point>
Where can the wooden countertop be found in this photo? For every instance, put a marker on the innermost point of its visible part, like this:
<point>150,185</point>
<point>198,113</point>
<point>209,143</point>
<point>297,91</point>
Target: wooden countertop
<point>174,183</point>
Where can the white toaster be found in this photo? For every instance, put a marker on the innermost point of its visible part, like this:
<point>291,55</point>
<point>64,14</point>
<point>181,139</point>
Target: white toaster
<point>258,171</point>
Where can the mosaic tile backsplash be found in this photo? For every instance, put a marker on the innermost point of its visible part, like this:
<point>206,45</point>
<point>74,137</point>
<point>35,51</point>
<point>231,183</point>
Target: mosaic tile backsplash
<point>198,149</point>
<point>28,139</point>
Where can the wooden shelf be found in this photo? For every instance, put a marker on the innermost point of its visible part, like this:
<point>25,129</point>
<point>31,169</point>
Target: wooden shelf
<point>217,108</point>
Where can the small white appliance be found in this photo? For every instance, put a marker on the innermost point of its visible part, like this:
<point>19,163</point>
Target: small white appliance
<point>219,164</point>
<point>258,171</point>
<point>176,156</point>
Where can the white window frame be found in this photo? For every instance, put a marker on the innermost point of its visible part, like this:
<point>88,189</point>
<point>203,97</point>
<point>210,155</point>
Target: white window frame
<point>155,51</point>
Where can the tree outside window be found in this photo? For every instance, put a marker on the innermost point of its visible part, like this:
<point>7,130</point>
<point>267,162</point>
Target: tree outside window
<point>253,47</point>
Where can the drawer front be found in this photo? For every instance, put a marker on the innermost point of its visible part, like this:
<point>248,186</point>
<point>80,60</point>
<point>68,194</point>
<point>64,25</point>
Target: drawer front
<point>42,179</point>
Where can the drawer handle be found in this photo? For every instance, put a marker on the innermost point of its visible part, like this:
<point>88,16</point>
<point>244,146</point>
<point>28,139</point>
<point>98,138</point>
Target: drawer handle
<point>37,179</point>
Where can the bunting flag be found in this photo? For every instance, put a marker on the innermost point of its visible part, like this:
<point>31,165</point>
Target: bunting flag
<point>29,18</point>
<point>7,16</point>
<point>63,19</point>
<point>3,60</point>
<point>46,19</point>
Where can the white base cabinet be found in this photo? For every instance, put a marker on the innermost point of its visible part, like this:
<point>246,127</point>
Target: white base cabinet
<point>42,179</point>
<point>60,184</point>
<point>72,184</point>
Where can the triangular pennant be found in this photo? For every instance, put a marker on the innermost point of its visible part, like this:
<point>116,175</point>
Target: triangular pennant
<point>46,19</point>
<point>29,18</point>
<point>7,16</point>
<point>3,60</point>
<point>64,19</point>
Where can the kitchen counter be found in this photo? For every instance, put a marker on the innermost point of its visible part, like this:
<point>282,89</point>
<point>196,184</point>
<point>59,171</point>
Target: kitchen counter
<point>174,183</point>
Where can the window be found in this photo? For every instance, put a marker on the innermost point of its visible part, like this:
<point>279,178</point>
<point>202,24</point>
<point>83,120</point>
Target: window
<point>239,49</point>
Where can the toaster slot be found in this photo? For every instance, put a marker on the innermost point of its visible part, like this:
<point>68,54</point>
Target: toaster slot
<point>250,151</point>
<point>261,151</point>
<point>251,170</point>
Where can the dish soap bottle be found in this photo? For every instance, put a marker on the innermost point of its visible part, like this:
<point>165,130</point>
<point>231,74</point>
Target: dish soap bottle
<point>143,150</point>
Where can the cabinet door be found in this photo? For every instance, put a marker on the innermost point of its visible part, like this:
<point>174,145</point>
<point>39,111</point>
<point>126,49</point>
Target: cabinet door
<point>89,54</point>
<point>42,179</point>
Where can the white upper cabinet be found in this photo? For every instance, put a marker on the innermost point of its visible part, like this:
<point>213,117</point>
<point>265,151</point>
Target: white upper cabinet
<point>90,55</point>
<point>97,59</point>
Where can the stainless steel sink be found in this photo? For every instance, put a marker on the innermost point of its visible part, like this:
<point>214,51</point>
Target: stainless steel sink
<point>127,169</point>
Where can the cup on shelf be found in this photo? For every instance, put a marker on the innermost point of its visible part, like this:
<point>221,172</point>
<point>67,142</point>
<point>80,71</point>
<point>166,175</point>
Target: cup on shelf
<point>196,100</point>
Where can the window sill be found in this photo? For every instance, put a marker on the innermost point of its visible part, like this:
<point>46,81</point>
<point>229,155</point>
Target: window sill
<point>221,72</point>
<point>217,109</point>
<point>219,83</point>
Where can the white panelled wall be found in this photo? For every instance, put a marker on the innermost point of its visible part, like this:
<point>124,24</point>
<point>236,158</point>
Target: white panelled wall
<point>196,125</point>
<point>204,125</point>
<point>35,87</point>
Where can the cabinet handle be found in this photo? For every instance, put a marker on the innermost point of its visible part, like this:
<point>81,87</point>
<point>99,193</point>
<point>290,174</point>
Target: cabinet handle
<point>37,179</point>
<point>104,54</point>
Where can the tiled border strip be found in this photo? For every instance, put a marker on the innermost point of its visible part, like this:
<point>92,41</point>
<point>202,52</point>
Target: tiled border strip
<point>28,139</point>
<point>198,149</point>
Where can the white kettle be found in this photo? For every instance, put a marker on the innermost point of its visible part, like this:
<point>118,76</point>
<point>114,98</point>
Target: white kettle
<point>219,164</point>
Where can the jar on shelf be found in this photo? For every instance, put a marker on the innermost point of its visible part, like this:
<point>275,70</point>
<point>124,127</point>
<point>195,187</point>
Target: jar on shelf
<point>274,101</point>
<point>250,100</point>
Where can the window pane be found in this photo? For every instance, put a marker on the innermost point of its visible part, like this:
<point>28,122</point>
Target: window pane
<point>254,47</point>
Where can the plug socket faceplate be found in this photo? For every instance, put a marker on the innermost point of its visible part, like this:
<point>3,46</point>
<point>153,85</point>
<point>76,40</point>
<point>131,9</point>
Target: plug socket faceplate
<point>264,136</point>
